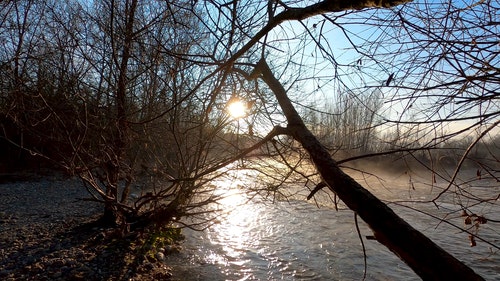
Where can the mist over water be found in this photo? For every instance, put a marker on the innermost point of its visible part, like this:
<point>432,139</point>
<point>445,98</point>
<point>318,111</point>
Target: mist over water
<point>296,240</point>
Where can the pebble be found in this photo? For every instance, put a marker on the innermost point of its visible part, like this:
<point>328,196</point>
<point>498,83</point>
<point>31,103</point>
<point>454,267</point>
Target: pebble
<point>160,256</point>
<point>36,242</point>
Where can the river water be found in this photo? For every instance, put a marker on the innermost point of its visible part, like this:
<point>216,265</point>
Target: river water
<point>297,240</point>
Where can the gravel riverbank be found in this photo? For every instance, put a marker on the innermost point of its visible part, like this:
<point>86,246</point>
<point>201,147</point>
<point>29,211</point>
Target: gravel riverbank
<point>47,233</point>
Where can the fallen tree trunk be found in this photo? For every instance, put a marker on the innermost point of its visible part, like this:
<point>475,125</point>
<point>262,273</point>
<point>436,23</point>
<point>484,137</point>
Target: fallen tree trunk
<point>426,258</point>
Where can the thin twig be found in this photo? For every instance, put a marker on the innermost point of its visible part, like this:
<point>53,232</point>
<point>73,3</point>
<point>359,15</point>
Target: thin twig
<point>362,245</point>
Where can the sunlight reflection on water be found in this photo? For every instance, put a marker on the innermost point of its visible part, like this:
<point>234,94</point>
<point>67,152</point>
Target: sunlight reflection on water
<point>295,240</point>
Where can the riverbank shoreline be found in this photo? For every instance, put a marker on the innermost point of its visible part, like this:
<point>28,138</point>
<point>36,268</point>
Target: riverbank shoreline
<point>48,232</point>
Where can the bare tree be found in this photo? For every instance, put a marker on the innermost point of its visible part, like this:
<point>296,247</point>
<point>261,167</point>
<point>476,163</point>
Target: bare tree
<point>275,16</point>
<point>109,94</point>
<point>150,131</point>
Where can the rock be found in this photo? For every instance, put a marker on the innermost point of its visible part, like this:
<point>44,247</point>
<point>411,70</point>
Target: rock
<point>64,268</point>
<point>145,267</point>
<point>172,249</point>
<point>58,262</point>
<point>81,273</point>
<point>4,273</point>
<point>160,256</point>
<point>38,266</point>
<point>162,275</point>
<point>69,262</point>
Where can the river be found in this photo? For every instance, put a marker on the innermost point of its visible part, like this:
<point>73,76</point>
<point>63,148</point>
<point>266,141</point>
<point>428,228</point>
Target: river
<point>297,240</point>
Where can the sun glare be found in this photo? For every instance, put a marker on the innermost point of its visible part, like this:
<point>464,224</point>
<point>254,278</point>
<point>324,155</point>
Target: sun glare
<point>237,109</point>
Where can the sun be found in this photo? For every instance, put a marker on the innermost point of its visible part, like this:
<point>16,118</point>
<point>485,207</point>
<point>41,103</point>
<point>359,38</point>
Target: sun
<point>237,109</point>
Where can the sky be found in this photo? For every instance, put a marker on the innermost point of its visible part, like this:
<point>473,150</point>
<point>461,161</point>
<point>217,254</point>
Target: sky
<point>315,77</point>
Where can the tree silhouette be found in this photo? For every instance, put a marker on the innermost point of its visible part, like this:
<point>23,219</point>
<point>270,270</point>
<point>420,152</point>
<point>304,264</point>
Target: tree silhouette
<point>131,97</point>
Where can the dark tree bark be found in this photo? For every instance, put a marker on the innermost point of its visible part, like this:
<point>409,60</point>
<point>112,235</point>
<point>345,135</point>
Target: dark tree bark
<point>426,258</point>
<point>116,165</point>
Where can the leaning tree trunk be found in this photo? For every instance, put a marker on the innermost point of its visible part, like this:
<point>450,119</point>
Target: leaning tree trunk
<point>426,258</point>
